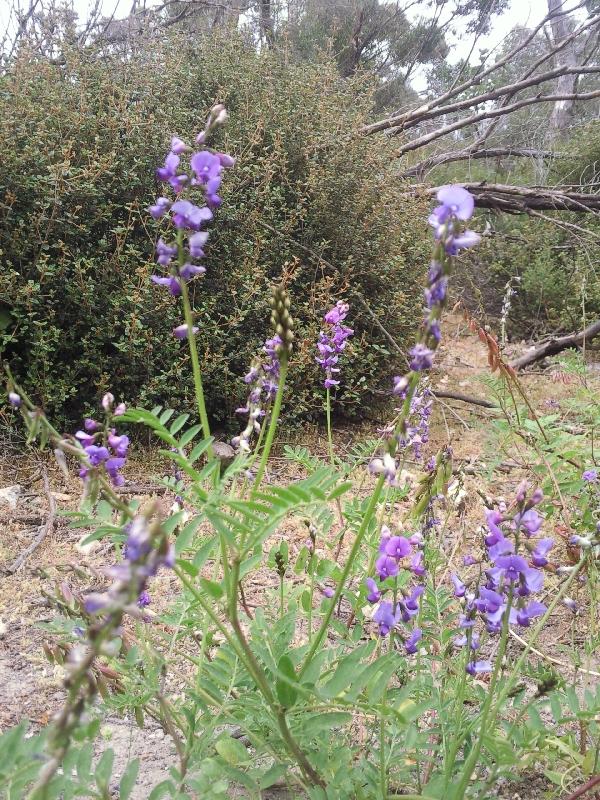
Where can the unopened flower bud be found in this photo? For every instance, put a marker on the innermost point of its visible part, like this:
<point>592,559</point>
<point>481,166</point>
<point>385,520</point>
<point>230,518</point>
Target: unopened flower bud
<point>107,401</point>
<point>14,399</point>
<point>120,410</point>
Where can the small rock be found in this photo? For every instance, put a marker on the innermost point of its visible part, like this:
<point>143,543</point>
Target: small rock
<point>86,549</point>
<point>10,495</point>
<point>3,628</point>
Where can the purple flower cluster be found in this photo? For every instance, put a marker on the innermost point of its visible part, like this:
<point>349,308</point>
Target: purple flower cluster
<point>397,553</point>
<point>511,580</point>
<point>205,171</point>
<point>332,342</point>
<point>145,551</point>
<point>111,453</point>
<point>456,206</point>
<point>263,379</point>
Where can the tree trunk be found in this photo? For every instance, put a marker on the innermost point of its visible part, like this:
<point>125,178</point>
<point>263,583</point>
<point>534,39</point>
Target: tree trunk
<point>562,113</point>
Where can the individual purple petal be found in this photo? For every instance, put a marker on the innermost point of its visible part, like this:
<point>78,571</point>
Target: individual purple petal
<point>397,547</point>
<point>459,587</point>
<point>458,200</point>
<point>529,612</point>
<point>477,667</point>
<point>411,644</point>
<point>181,331</point>
<point>373,594</point>
<point>542,548</point>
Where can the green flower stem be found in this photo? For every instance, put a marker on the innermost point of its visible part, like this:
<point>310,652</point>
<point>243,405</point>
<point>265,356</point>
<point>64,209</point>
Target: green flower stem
<point>345,573</point>
<point>509,683</point>
<point>457,716</point>
<point>329,432</point>
<point>189,321</point>
<point>262,681</point>
<point>272,425</point>
<point>486,723</point>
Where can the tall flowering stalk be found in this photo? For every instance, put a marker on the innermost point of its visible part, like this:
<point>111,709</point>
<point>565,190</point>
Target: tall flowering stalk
<point>456,206</point>
<point>147,550</point>
<point>179,258</point>
<point>330,346</point>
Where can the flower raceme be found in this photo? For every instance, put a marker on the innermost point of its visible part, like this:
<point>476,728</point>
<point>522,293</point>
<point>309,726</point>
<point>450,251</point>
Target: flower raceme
<point>503,592</point>
<point>395,554</point>
<point>332,342</point>
<point>204,171</point>
<point>456,206</point>
<point>103,447</point>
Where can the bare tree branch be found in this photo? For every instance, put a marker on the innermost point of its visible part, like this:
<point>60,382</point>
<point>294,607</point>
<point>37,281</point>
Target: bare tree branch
<point>491,114</point>
<point>521,199</point>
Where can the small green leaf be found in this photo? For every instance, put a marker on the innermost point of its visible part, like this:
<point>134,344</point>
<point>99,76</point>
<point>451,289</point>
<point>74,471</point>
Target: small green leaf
<point>104,770</point>
<point>128,779</point>
<point>178,424</point>
<point>286,693</point>
<point>232,750</point>
<point>213,589</point>
<point>189,435</point>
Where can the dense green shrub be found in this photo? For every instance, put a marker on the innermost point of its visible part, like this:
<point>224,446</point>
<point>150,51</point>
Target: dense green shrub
<point>309,200</point>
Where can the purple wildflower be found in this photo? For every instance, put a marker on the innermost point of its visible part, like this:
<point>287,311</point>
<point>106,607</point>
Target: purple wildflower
<point>160,207</point>
<point>196,242</point>
<point>165,253</point>
<point>171,282</point>
<point>590,475</point>
<point>332,343</point>
<point>144,599</point>
<point>529,612</point>
<point>421,357</point>
<point>411,644</point>
<point>373,594</point>
<point>186,215</point>
<point>386,617</point>
<point>459,587</point>
<point>538,555</point>
<point>477,667</point>
<point>530,522</point>
<point>14,399</point>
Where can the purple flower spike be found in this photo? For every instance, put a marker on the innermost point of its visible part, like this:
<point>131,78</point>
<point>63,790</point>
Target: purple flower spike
<point>411,644</point>
<point>181,331</point>
<point>373,594</point>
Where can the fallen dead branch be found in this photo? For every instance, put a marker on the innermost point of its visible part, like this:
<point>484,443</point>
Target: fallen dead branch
<point>44,529</point>
<point>557,345</point>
